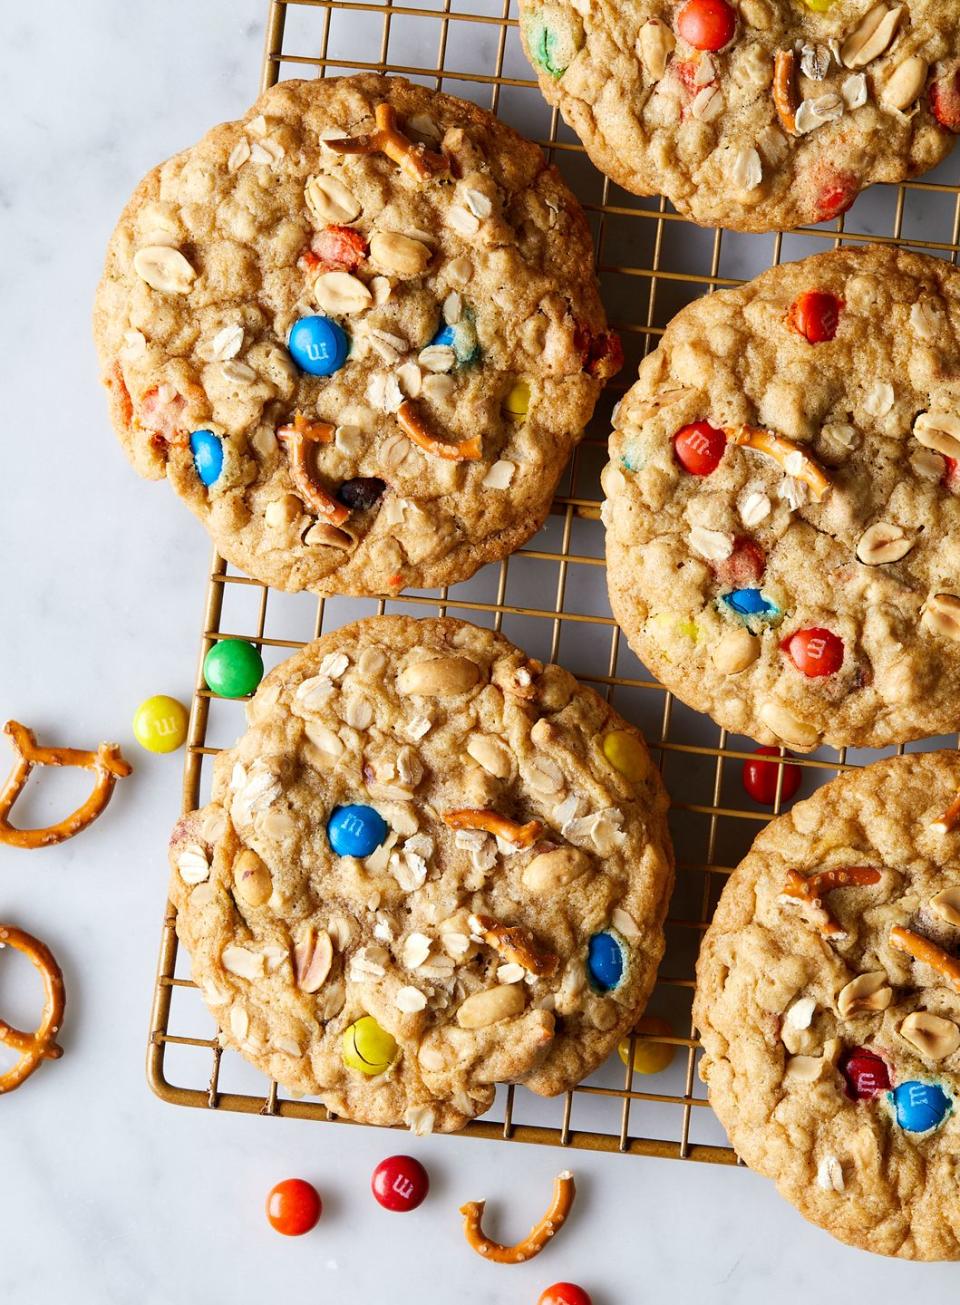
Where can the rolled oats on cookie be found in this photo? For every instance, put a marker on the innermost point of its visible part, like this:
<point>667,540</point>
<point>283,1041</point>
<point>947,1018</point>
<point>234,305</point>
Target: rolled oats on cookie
<point>783,504</point>
<point>359,333</point>
<point>462,884</point>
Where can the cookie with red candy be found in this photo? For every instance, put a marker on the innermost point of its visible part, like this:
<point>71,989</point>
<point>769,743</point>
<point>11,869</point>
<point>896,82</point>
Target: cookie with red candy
<point>828,1006</point>
<point>759,115</point>
<point>782,498</point>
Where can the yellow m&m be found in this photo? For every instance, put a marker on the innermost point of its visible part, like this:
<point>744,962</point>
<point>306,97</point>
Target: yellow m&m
<point>627,754</point>
<point>649,1057</point>
<point>517,401</point>
<point>160,724</point>
<point>367,1047</point>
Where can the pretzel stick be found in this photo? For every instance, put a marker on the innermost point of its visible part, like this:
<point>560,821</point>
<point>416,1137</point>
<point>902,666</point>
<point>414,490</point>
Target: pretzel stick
<point>39,1045</point>
<point>415,160</point>
<point>785,89</point>
<point>416,429</point>
<point>493,823</point>
<point>812,890</point>
<point>298,438</point>
<point>781,450</point>
<point>556,1216</point>
<point>514,943</point>
<point>107,764</point>
<point>922,949</point>
<point>946,823</point>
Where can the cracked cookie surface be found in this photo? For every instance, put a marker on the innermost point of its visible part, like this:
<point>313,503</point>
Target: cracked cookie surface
<point>758,116</point>
<point>828,1008</point>
<point>783,503</point>
<point>401,983</point>
<point>461,350</point>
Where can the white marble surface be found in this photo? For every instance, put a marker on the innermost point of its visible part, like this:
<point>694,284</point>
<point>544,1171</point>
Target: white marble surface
<point>106,1194</point>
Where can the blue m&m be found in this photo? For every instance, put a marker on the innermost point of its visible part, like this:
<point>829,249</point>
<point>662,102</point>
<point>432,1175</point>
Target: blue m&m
<point>920,1106</point>
<point>461,338</point>
<point>356,830</point>
<point>605,961</point>
<point>318,346</point>
<point>750,602</point>
<point>207,450</point>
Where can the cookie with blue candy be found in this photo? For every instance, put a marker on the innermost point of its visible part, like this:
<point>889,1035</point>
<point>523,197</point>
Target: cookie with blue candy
<point>430,865</point>
<point>828,1005</point>
<point>359,332</point>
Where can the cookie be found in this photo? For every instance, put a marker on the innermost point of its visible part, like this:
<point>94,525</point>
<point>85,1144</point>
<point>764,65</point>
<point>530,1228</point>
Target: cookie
<point>430,865</point>
<point>358,331</point>
<point>756,117</point>
<point>828,1008</point>
<point>783,518</point>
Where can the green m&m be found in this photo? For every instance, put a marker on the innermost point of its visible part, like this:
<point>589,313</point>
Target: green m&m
<point>232,668</point>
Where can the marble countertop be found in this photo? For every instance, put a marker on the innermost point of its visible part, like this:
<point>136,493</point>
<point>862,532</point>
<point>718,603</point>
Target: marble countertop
<point>107,1192</point>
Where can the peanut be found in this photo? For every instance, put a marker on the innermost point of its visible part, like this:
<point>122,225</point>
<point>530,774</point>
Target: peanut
<point>399,255</point>
<point>549,871</point>
<point>439,677</point>
<point>164,269</point>
<point>252,878</point>
<point>491,1006</point>
<point>933,1037</point>
<point>329,200</point>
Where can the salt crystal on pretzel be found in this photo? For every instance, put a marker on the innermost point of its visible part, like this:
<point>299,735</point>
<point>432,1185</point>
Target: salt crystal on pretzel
<point>297,439</point>
<point>564,1191</point>
<point>416,430</point>
<point>782,450</point>
<point>785,89</point>
<point>415,160</point>
<point>491,822</point>
<point>811,890</point>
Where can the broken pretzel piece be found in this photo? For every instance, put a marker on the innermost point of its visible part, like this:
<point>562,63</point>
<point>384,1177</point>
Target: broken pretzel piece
<point>491,822</point>
<point>415,160</point>
<point>556,1216</point>
<point>39,1045</point>
<point>106,763</point>
<point>922,949</point>
<point>794,460</point>
<point>416,430</point>
<point>812,890</point>
<point>785,90</point>
<point>517,944</point>
<point>297,439</point>
<point>948,822</point>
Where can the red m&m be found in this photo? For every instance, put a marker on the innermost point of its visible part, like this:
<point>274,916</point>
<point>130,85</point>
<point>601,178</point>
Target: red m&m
<point>945,101</point>
<point>760,778</point>
<point>707,24</point>
<point>866,1074</point>
<point>815,652</point>
<point>564,1293</point>
<point>815,315</point>
<point>400,1183</point>
<point>699,448</point>
<point>745,566</point>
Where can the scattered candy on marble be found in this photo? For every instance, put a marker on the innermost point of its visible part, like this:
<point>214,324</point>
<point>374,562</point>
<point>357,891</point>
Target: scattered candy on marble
<point>626,754</point>
<point>517,402</point>
<point>866,1074</point>
<point>920,1107</point>
<point>367,1047</point>
<point>605,961</point>
<point>649,1057</point>
<point>564,1293</point>
<point>815,652</point>
<point>318,346</point>
<point>700,448</point>
<point>356,830</point>
<point>294,1207</point>
<point>207,450</point>
<point>400,1183</point>
<point>232,668</point>
<point>816,316</point>
<point>760,778</point>
<point>160,723</point>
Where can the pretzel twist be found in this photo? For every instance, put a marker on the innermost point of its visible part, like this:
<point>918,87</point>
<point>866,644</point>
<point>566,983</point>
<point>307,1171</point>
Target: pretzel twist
<point>517,944</point>
<point>491,822</point>
<point>781,450</point>
<point>556,1216</point>
<point>106,763</point>
<point>298,439</point>
<point>812,889</point>
<point>785,90</point>
<point>419,433</point>
<point>415,160</point>
<point>948,822</point>
<point>39,1045</point>
<point>922,949</point>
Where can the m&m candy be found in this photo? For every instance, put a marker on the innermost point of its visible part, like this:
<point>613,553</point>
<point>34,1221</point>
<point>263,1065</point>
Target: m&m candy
<point>318,346</point>
<point>707,24</point>
<point>293,1207</point>
<point>160,723</point>
<point>760,778</point>
<point>232,668</point>
<point>207,450</point>
<point>356,830</point>
<point>815,652</point>
<point>461,338</point>
<point>749,602</point>
<point>400,1183</point>
<point>866,1074</point>
<point>699,448</point>
<point>564,1293</point>
<point>815,315</point>
<point>649,1057</point>
<point>517,401</point>
<point>605,961</point>
<point>920,1106</point>
<point>626,754</point>
<point>367,1047</point>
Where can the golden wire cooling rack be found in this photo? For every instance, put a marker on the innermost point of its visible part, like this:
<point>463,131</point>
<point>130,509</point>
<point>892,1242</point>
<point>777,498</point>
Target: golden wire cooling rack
<point>550,597</point>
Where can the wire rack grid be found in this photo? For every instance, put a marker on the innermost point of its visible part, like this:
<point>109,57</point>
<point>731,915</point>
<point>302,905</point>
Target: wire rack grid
<point>549,597</point>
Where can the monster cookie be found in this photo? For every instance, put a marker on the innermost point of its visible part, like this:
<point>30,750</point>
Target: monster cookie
<point>431,865</point>
<point>358,331</point>
<point>827,1002</point>
<point>758,116</point>
<point>783,503</point>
